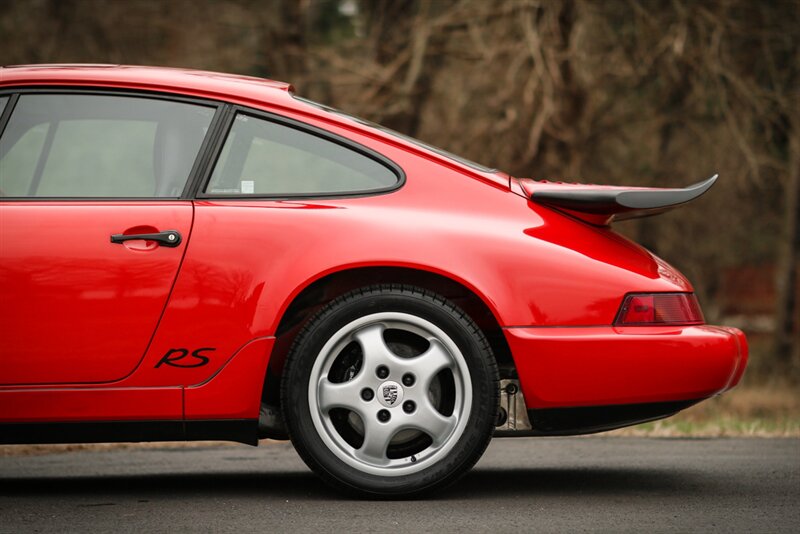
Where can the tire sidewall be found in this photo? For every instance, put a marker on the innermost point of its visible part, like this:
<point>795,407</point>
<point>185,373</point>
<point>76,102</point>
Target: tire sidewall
<point>456,325</point>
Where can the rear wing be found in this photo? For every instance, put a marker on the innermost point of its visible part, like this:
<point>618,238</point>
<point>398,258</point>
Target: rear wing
<point>604,204</point>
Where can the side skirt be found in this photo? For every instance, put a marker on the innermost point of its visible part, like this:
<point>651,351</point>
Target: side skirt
<point>239,430</point>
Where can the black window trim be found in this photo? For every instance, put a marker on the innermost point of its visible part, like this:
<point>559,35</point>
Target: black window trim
<point>210,149</point>
<point>198,168</point>
<point>10,105</point>
<point>349,144</point>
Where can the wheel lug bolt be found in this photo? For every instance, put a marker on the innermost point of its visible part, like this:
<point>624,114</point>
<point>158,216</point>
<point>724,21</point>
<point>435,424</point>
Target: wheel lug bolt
<point>367,394</point>
<point>408,380</point>
<point>382,371</point>
<point>384,416</point>
<point>409,406</point>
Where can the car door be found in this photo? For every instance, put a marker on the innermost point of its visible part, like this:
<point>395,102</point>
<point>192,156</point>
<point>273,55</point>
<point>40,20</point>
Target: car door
<point>93,228</point>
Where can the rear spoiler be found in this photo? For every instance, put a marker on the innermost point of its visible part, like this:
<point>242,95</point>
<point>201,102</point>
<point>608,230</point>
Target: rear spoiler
<point>603,204</point>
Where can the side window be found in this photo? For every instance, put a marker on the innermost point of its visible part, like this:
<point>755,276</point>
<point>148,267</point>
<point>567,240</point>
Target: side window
<point>263,157</point>
<point>3,102</point>
<point>85,146</point>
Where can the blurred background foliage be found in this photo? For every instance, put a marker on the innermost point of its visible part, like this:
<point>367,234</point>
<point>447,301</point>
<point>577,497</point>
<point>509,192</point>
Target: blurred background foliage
<point>639,92</point>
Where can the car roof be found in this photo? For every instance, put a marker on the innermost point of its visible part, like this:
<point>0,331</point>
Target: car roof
<point>187,81</point>
<point>246,90</point>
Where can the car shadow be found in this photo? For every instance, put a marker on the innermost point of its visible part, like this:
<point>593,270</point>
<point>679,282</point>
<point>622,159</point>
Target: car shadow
<point>571,481</point>
<point>479,483</point>
<point>285,485</point>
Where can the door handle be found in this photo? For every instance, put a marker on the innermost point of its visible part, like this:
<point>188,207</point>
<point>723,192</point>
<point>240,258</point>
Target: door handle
<point>167,238</point>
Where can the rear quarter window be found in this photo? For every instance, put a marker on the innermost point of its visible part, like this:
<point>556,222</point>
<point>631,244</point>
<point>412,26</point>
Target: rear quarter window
<point>268,158</point>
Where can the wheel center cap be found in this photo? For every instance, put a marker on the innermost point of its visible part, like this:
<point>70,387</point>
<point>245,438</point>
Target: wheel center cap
<point>390,394</point>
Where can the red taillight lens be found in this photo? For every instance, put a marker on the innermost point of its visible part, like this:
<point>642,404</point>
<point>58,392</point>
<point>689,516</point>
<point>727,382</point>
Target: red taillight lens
<point>660,309</point>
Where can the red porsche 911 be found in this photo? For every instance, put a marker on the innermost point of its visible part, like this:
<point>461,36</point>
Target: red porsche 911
<point>188,255</point>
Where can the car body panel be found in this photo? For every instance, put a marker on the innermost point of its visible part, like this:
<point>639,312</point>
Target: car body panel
<point>606,365</point>
<point>97,403</point>
<point>76,307</point>
<point>552,283</point>
<point>232,393</point>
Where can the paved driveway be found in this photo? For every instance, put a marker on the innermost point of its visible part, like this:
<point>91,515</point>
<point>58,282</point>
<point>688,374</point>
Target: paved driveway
<point>593,484</point>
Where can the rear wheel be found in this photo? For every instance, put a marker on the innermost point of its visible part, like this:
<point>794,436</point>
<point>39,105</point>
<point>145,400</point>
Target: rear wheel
<point>390,390</point>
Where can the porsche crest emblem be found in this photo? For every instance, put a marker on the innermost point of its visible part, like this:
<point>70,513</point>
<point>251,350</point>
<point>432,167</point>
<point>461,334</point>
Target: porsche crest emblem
<point>390,394</point>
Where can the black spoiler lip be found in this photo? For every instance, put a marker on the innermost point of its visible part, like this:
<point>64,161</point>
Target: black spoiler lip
<point>619,203</point>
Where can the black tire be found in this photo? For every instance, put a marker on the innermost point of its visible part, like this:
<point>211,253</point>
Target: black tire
<point>435,436</point>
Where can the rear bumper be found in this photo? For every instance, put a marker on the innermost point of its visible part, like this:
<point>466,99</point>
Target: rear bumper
<point>577,367</point>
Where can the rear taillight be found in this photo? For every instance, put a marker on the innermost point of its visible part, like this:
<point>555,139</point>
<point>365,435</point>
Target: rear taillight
<point>659,309</point>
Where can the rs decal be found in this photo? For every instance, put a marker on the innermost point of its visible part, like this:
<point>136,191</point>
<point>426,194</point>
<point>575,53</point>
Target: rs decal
<point>182,358</point>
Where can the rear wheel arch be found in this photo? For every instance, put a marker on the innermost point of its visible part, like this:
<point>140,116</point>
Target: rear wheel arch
<point>318,293</point>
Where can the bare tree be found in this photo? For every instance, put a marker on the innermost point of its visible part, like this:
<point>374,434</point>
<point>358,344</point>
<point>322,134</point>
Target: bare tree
<point>637,91</point>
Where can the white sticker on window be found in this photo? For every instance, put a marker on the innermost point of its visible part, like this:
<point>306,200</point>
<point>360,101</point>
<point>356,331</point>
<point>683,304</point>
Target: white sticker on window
<point>248,187</point>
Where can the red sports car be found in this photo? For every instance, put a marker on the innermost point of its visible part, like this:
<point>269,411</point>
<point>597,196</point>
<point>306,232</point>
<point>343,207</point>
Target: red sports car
<point>189,256</point>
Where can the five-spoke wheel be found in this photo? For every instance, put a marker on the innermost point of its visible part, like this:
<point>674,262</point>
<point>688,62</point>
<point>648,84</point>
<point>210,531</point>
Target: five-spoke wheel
<point>390,391</point>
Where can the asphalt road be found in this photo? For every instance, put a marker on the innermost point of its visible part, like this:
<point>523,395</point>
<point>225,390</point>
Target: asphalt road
<point>546,485</point>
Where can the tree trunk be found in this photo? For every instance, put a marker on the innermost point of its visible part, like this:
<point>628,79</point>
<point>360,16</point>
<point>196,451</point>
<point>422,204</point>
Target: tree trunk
<point>787,331</point>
